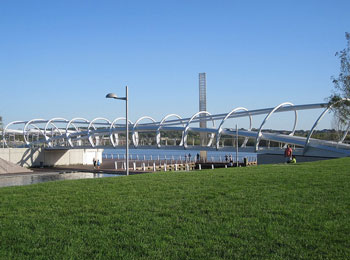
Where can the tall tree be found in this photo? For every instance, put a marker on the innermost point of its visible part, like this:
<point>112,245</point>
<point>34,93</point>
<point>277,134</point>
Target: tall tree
<point>342,85</point>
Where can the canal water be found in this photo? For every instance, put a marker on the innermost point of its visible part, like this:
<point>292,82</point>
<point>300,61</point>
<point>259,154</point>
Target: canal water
<point>155,154</point>
<point>135,154</point>
<point>28,179</point>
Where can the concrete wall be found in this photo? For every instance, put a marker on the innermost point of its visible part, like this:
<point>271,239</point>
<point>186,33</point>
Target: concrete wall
<point>27,157</point>
<point>91,154</point>
<point>22,156</point>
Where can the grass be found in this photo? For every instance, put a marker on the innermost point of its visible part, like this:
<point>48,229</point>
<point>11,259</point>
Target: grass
<point>281,211</point>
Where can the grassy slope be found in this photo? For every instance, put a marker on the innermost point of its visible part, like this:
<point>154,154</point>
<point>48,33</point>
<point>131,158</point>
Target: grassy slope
<point>266,212</point>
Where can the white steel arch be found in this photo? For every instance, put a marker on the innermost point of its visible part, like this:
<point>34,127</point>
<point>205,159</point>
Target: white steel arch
<point>218,134</point>
<point>91,135</point>
<point>51,121</point>
<point>158,137</point>
<point>185,132</point>
<point>258,136</point>
<point>135,134</point>
<point>71,122</point>
<point>318,120</point>
<point>31,122</point>
<point>116,135</point>
<point>313,128</point>
<point>5,129</point>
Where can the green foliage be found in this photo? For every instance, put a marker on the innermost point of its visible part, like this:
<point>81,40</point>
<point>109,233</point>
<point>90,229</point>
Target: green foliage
<point>342,85</point>
<point>281,211</point>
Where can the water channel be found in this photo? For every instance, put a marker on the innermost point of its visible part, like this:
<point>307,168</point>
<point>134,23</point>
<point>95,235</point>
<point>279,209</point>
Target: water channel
<point>27,179</point>
<point>135,154</point>
<point>156,154</point>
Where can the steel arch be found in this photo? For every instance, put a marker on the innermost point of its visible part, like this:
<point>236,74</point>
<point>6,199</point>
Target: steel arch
<point>116,135</point>
<point>258,136</point>
<point>69,139</point>
<point>218,134</point>
<point>4,130</point>
<point>158,137</point>
<point>185,132</point>
<point>135,134</point>
<point>31,122</point>
<point>51,122</point>
<point>90,136</point>
<point>317,121</point>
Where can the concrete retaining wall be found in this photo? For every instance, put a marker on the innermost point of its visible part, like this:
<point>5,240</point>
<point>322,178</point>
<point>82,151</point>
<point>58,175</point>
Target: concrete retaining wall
<point>27,157</point>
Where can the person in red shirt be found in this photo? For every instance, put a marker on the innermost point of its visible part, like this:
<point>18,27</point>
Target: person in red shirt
<point>288,153</point>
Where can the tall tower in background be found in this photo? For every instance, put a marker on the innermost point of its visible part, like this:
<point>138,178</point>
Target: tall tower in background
<point>202,97</point>
<point>203,107</point>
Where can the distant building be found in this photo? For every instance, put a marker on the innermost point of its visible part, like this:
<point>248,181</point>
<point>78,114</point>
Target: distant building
<point>203,107</point>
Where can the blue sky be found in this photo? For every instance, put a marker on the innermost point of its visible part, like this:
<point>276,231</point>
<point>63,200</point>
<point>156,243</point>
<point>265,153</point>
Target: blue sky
<point>60,58</point>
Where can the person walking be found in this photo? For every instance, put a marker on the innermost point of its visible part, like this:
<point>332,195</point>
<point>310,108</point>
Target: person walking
<point>98,164</point>
<point>288,153</point>
<point>94,161</point>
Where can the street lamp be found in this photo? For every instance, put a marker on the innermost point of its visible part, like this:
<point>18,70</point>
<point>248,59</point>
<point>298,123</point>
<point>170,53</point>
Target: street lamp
<point>112,95</point>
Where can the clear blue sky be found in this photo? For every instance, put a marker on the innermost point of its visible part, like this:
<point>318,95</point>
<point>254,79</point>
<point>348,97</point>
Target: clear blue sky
<point>60,58</point>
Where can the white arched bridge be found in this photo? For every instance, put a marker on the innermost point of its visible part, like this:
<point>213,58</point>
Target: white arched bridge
<point>147,133</point>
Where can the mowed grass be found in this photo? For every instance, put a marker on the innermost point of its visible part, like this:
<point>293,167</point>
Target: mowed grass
<point>280,211</point>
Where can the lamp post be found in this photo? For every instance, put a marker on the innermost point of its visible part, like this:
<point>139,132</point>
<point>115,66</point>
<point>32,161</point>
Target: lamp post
<point>112,95</point>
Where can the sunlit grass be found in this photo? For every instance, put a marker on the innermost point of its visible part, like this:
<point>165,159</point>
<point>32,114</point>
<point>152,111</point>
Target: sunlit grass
<point>267,212</point>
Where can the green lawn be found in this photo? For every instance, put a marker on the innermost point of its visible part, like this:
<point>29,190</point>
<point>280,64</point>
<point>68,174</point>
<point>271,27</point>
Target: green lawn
<point>280,211</point>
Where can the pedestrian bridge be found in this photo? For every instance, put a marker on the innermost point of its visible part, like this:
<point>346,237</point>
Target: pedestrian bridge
<point>147,133</point>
